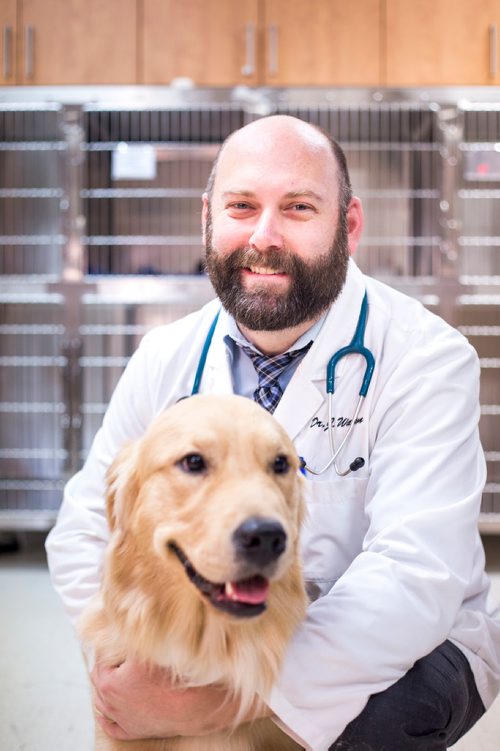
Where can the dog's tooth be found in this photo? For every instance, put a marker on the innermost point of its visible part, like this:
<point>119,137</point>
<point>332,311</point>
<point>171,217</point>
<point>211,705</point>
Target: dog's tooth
<point>230,593</point>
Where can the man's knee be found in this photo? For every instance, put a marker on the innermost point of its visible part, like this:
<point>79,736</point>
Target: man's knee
<point>430,708</point>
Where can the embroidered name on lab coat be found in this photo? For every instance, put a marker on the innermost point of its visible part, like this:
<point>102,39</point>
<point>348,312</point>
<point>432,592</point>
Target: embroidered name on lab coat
<point>337,422</point>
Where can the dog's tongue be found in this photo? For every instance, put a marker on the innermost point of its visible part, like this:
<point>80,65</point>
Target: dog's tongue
<point>253,591</point>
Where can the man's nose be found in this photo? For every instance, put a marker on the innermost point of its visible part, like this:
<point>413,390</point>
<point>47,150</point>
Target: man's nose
<point>267,232</point>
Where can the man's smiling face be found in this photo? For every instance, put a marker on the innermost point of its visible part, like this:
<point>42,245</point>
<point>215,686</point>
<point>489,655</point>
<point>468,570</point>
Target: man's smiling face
<point>276,239</point>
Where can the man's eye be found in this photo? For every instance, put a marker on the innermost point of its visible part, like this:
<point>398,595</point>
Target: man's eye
<point>192,463</point>
<point>240,206</point>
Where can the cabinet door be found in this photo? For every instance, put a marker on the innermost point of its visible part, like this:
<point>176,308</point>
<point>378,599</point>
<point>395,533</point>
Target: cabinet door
<point>212,42</point>
<point>322,42</point>
<point>442,42</point>
<point>78,42</point>
<point>8,42</point>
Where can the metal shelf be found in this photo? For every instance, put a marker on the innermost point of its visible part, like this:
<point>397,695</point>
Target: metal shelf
<point>432,229</point>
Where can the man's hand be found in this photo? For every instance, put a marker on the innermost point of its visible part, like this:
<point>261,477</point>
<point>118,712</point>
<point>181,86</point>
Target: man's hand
<point>133,701</point>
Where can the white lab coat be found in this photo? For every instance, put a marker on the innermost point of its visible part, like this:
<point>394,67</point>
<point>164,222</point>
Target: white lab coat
<point>392,552</point>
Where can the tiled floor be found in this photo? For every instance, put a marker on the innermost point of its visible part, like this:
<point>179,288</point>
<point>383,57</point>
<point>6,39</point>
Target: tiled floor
<point>44,700</point>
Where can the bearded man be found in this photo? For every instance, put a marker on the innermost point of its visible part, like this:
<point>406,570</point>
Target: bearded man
<point>400,649</point>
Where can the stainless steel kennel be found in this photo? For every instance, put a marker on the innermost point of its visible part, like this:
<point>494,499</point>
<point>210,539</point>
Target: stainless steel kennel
<point>100,240</point>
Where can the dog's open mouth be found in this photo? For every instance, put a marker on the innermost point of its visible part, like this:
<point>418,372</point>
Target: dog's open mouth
<point>244,598</point>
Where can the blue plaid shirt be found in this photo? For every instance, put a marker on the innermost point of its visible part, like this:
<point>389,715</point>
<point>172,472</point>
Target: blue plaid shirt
<point>245,379</point>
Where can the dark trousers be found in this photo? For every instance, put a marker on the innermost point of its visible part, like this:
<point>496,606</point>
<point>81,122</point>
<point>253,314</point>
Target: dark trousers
<point>428,709</point>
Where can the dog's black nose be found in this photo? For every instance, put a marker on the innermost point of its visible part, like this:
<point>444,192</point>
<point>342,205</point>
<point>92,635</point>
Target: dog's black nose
<point>259,540</point>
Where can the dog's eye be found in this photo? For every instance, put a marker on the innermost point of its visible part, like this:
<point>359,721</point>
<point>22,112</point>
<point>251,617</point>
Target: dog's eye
<point>281,465</point>
<point>193,463</point>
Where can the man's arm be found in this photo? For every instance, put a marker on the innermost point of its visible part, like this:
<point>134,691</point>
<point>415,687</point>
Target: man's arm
<point>75,546</point>
<point>158,373</point>
<point>400,596</point>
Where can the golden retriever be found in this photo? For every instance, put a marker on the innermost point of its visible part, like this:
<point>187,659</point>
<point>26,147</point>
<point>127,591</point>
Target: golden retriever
<point>202,572</point>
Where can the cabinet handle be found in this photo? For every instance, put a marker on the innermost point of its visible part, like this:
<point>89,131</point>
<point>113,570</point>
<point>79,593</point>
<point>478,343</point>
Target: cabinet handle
<point>29,38</point>
<point>249,68</point>
<point>7,51</point>
<point>493,49</point>
<point>273,49</point>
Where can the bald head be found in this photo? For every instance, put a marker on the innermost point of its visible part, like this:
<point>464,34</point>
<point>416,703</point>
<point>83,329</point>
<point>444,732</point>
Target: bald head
<point>276,128</point>
<point>291,139</point>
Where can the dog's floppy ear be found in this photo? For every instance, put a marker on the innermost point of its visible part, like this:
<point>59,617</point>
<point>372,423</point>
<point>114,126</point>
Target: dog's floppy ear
<point>122,486</point>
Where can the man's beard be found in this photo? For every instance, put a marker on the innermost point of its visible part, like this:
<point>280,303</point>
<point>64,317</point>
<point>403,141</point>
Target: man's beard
<point>313,288</point>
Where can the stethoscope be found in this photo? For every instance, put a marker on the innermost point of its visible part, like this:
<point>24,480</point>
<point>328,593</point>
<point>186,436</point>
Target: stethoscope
<point>355,347</point>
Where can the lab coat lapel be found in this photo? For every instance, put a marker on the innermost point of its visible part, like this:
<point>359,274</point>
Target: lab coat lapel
<point>306,392</point>
<point>217,377</point>
<point>301,400</point>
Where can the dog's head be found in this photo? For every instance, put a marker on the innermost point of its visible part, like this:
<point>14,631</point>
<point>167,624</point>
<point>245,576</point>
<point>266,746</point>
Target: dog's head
<point>213,493</point>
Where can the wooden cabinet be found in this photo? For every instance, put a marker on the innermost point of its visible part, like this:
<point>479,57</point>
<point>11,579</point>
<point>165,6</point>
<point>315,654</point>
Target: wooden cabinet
<point>8,27</point>
<point>72,41</point>
<point>441,42</point>
<point>391,43</point>
<point>321,43</point>
<point>212,42</point>
<point>269,43</point>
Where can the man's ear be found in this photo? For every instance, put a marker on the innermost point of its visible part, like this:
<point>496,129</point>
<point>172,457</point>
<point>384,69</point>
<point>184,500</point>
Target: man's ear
<point>122,486</point>
<point>355,224</point>
<point>204,216</point>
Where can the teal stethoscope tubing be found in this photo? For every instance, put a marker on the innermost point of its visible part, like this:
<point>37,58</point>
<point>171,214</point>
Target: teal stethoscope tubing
<point>355,347</point>
<point>203,356</point>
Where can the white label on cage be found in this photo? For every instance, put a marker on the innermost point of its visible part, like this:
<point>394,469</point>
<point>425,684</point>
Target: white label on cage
<point>136,161</point>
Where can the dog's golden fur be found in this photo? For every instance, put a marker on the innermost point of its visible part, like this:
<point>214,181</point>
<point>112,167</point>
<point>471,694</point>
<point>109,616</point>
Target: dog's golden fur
<point>149,609</point>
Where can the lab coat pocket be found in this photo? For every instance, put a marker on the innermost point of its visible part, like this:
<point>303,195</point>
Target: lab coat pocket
<point>334,529</point>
